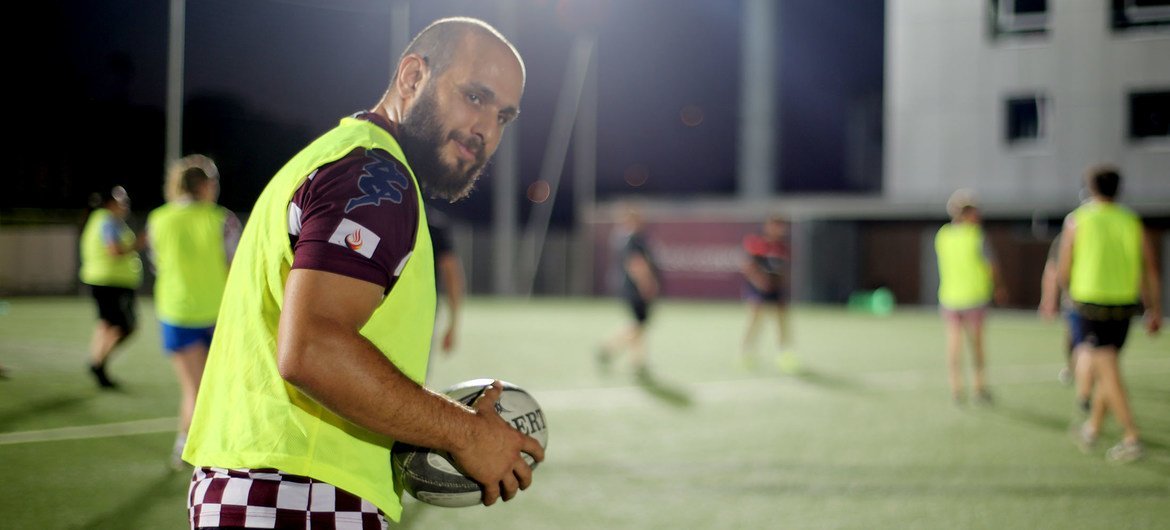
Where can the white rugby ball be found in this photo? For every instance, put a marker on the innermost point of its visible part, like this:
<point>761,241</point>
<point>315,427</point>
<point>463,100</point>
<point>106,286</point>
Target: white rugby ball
<point>432,476</point>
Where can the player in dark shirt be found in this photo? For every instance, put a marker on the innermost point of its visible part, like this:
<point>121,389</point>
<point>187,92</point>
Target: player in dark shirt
<point>767,272</point>
<point>449,278</point>
<point>639,289</point>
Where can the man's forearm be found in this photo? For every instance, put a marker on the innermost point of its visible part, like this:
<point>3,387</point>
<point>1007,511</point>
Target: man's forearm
<point>345,373</point>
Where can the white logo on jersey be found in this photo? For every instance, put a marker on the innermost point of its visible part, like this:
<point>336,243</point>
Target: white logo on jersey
<point>355,237</point>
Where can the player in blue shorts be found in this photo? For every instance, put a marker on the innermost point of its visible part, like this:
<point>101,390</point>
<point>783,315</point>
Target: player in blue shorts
<point>1054,301</point>
<point>192,240</point>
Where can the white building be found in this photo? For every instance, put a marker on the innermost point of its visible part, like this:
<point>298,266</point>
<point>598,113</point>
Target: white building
<point>1016,98</point>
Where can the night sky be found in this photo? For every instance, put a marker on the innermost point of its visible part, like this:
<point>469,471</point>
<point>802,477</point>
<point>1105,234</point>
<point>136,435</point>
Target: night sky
<point>264,77</point>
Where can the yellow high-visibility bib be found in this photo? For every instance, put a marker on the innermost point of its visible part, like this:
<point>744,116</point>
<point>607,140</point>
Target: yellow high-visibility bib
<point>246,415</point>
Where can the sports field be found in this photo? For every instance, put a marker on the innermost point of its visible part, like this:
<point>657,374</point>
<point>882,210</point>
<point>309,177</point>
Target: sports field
<point>865,437</point>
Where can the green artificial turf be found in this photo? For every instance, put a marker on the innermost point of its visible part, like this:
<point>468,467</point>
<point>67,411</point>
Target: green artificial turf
<point>865,436</point>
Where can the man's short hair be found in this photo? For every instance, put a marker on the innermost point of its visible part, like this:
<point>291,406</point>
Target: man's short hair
<point>1104,181</point>
<point>437,43</point>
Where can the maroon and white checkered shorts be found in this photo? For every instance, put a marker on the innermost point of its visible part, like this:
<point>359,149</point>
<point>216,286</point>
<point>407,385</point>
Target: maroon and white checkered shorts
<point>267,498</point>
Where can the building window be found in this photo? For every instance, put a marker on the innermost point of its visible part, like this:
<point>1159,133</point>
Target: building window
<point>1019,17</point>
<point>1024,119</point>
<point>1149,115</point>
<point>1140,13</point>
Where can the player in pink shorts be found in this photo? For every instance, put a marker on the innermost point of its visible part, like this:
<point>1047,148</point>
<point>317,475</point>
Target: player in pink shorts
<point>968,280</point>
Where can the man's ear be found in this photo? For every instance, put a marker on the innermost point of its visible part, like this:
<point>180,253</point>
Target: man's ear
<point>413,73</point>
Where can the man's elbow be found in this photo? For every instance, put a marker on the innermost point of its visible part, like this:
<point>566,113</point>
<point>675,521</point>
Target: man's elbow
<point>291,361</point>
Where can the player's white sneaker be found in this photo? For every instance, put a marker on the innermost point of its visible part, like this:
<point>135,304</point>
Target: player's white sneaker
<point>1125,452</point>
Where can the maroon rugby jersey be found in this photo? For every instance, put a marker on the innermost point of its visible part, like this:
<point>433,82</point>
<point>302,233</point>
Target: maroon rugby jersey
<point>357,216</point>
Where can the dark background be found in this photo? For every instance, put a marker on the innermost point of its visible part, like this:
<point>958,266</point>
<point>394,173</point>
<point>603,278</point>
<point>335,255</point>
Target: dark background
<point>263,77</point>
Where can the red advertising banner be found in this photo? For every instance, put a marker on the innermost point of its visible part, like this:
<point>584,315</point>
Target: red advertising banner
<point>697,259</point>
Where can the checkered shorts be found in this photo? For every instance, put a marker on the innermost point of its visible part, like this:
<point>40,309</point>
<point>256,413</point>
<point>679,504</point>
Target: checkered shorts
<point>267,498</point>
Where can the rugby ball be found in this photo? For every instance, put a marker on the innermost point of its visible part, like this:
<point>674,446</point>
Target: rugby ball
<point>432,476</point>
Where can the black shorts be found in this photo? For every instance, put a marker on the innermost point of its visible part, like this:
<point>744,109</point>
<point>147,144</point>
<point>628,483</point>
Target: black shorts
<point>1104,325</point>
<point>1103,333</point>
<point>115,306</point>
<point>640,308</point>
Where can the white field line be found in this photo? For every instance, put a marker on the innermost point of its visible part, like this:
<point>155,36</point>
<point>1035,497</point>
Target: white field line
<point>627,396</point>
<point>86,432</point>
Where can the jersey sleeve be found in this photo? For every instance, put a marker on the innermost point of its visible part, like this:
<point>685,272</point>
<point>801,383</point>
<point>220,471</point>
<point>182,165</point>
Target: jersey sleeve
<point>356,217</point>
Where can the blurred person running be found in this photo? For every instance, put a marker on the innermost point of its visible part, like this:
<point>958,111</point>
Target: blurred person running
<point>110,266</point>
<point>1107,264</point>
<point>969,279</point>
<point>323,340</point>
<point>639,290</point>
<point>767,273</point>
<point>191,241</point>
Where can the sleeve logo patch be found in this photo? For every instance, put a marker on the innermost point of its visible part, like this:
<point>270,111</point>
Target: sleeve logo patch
<point>381,180</point>
<point>355,237</point>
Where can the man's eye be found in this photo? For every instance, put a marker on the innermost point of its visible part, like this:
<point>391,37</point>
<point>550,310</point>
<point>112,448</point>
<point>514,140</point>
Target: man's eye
<point>473,98</point>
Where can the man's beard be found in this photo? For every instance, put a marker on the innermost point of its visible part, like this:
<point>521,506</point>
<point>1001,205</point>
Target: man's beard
<point>422,136</point>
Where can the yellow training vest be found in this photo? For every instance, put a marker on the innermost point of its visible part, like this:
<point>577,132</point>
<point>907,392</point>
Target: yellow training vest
<point>1107,255</point>
<point>98,266</point>
<point>187,245</point>
<point>963,271</point>
<point>246,415</point>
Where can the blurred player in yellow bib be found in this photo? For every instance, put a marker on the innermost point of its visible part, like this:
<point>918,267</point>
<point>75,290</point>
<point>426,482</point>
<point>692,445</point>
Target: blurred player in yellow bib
<point>1107,263</point>
<point>192,240</point>
<point>968,280</point>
